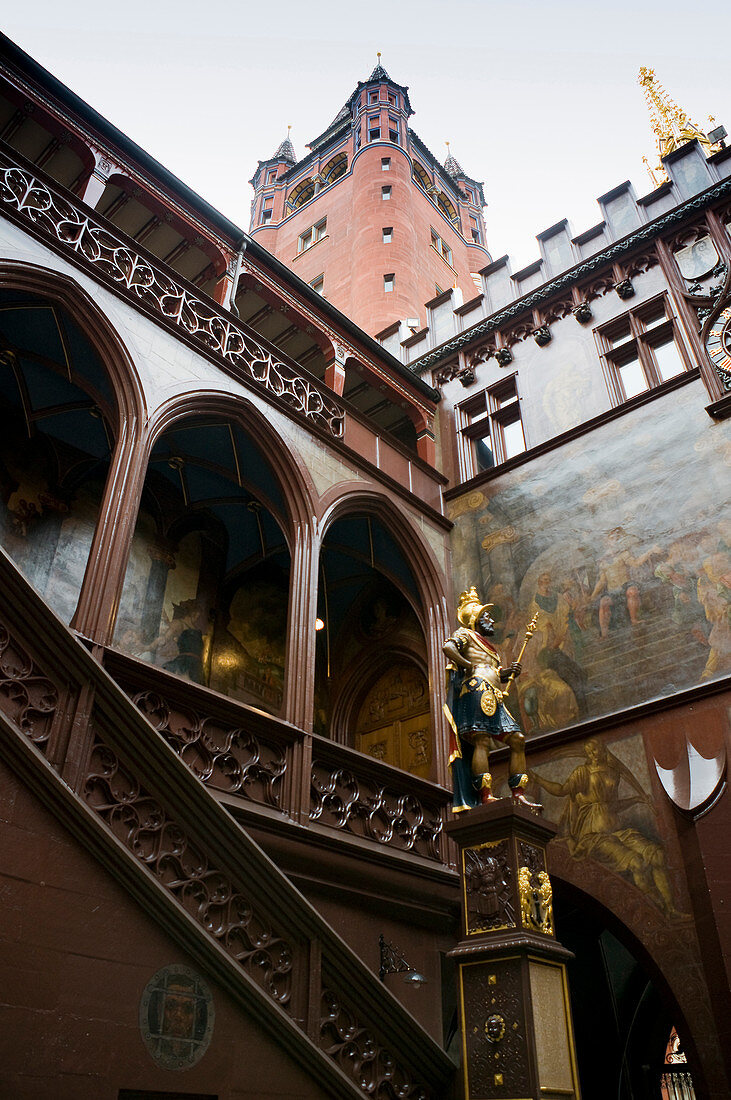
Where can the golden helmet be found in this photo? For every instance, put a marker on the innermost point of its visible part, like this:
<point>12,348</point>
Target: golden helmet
<point>470,608</point>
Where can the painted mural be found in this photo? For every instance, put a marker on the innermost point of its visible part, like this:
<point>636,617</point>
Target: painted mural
<point>623,615</point>
<point>175,614</point>
<point>47,529</point>
<point>599,794</point>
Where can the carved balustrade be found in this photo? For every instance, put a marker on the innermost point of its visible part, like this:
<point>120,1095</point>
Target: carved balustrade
<point>350,793</point>
<point>228,746</point>
<point>249,756</point>
<point>230,901</point>
<point>88,240</point>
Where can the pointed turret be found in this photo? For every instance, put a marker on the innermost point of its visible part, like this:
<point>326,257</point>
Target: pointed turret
<point>452,165</point>
<point>379,73</point>
<point>285,152</point>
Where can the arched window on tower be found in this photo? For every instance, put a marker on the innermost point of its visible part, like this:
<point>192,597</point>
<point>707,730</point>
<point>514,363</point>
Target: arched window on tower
<point>422,178</point>
<point>447,208</point>
<point>335,168</point>
<point>302,193</point>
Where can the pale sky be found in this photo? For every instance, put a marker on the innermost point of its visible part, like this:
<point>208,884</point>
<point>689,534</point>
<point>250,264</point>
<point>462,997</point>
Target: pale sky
<point>539,100</point>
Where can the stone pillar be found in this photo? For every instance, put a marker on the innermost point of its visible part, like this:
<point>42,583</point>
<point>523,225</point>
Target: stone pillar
<point>517,1036</point>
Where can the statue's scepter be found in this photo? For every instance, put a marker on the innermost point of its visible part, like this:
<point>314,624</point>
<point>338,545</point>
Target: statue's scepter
<point>529,632</point>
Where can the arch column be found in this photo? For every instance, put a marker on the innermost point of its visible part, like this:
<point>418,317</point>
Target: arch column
<point>301,638</point>
<point>101,588</point>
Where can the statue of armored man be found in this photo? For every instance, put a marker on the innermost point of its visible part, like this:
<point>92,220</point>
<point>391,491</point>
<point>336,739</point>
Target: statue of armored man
<point>476,709</point>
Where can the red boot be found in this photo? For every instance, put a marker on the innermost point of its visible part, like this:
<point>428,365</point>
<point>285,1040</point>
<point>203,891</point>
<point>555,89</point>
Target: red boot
<point>486,794</point>
<point>517,784</point>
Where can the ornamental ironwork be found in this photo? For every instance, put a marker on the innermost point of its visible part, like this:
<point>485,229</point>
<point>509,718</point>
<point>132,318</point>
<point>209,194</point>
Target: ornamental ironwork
<point>148,285</point>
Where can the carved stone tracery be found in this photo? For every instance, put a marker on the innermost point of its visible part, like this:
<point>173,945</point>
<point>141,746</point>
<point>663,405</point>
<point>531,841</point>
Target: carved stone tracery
<point>361,1056</point>
<point>144,826</point>
<point>27,697</point>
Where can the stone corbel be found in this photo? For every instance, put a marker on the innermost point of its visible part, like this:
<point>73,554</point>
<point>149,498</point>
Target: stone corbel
<point>103,169</point>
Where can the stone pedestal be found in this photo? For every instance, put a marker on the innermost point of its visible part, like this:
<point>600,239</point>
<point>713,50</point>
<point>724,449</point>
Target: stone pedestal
<point>517,1037</point>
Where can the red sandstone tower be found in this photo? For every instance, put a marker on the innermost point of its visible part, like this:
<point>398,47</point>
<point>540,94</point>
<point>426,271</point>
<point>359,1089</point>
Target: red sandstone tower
<point>369,217</point>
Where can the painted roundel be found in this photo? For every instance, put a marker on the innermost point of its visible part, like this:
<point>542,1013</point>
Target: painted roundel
<point>718,342</point>
<point>176,1017</point>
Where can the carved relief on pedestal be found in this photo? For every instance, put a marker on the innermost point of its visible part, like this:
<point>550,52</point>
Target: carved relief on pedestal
<point>535,890</point>
<point>488,897</point>
<point>496,1050</point>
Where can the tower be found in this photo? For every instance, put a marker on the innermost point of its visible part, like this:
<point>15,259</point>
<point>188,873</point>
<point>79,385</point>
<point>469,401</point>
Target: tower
<point>370,217</point>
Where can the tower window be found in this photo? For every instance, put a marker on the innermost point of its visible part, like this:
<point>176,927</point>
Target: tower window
<point>475,230</point>
<point>393,99</point>
<point>385,193</point>
<point>393,129</point>
<point>373,97</point>
<point>271,175</point>
<point>385,164</point>
<point>266,210</point>
<point>312,235</point>
<point>374,128</point>
<point>387,232</point>
<point>441,247</point>
<point>388,282</point>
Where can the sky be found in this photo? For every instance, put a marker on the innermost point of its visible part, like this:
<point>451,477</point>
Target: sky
<point>539,100</point>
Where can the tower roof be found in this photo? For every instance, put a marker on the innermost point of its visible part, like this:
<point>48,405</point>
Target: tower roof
<point>379,73</point>
<point>452,165</point>
<point>286,150</point>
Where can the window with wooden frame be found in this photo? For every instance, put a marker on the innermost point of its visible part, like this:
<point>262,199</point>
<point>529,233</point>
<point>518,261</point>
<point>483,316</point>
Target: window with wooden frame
<point>441,247</point>
<point>312,235</point>
<point>641,350</point>
<point>374,128</point>
<point>267,210</point>
<point>490,429</point>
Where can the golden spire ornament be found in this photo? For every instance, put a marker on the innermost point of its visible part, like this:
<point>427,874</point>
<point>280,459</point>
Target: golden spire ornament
<point>670,124</point>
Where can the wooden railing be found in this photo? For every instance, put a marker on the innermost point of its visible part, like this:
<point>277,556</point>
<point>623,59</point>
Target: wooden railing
<point>128,796</point>
<point>264,764</point>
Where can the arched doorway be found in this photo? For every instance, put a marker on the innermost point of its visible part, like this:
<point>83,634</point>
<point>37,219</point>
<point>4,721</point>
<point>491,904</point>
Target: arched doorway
<point>623,1010</point>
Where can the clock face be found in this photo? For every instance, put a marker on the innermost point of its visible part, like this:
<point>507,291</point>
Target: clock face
<point>718,341</point>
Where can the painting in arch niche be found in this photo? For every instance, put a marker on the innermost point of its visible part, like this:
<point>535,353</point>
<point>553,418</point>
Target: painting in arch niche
<point>250,639</point>
<point>394,723</point>
<point>168,603</point>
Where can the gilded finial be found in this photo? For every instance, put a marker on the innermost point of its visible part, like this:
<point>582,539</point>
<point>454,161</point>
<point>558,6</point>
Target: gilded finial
<point>670,124</point>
